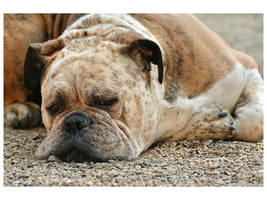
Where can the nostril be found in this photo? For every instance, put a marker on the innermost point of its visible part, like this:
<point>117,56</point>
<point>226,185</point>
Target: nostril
<point>81,124</point>
<point>75,123</point>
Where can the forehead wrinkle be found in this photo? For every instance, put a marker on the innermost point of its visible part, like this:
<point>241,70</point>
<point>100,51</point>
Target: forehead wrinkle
<point>87,55</point>
<point>65,61</point>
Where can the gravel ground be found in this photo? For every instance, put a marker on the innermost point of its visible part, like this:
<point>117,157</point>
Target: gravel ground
<point>184,163</point>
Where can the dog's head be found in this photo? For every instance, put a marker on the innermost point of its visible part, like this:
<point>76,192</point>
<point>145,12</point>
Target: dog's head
<point>96,93</point>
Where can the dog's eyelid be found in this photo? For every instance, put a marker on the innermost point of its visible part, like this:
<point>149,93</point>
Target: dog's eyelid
<point>53,109</point>
<point>108,102</point>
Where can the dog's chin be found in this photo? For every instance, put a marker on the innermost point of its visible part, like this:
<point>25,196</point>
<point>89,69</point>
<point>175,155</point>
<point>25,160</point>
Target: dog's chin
<point>68,151</point>
<point>77,150</point>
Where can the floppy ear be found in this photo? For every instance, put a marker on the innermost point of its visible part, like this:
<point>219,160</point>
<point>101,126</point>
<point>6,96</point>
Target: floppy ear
<point>37,57</point>
<point>151,52</point>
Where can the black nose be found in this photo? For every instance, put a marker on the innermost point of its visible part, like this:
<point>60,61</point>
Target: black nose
<point>75,124</point>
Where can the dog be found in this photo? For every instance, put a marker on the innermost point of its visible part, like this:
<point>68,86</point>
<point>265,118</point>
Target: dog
<point>113,84</point>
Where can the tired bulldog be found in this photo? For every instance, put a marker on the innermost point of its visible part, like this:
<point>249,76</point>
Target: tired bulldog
<point>113,84</point>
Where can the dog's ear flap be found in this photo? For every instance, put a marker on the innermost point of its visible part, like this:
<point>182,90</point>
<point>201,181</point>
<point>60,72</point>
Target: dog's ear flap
<point>37,57</point>
<point>33,66</point>
<point>151,52</point>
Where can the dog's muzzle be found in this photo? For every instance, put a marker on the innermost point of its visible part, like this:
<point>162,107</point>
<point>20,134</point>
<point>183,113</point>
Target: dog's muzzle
<point>88,135</point>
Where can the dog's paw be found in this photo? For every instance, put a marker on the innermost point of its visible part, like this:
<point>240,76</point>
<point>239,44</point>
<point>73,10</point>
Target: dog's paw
<point>212,122</point>
<point>22,115</point>
<point>220,121</point>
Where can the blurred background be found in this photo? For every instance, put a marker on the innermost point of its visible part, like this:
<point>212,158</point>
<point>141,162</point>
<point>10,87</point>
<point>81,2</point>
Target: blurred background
<point>243,32</point>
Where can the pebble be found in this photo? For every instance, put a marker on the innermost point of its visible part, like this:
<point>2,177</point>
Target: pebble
<point>53,158</point>
<point>25,175</point>
<point>208,142</point>
<point>173,144</point>
<point>226,173</point>
<point>138,166</point>
<point>8,154</point>
<point>14,162</point>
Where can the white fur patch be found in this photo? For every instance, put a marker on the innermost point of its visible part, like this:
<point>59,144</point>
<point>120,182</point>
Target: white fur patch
<point>227,91</point>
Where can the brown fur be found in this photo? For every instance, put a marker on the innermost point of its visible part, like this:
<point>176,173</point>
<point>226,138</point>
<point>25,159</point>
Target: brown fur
<point>186,44</point>
<point>20,30</point>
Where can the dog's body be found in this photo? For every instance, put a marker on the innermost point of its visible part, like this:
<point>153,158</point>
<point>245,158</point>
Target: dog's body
<point>112,85</point>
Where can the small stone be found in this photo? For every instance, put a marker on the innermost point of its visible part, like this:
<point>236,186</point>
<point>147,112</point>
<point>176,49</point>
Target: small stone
<point>64,183</point>
<point>69,181</point>
<point>258,163</point>
<point>52,159</point>
<point>119,166</point>
<point>144,171</point>
<point>214,166</point>
<point>89,183</point>
<point>6,143</point>
<point>138,166</point>
<point>17,182</point>
<point>172,179</point>
<point>15,144</point>
<point>8,154</point>
<point>36,137</point>
<point>173,144</point>
<point>231,155</point>
<point>14,162</point>
<point>92,165</point>
<point>196,172</point>
<point>146,163</point>
<point>226,173</point>
<point>208,142</point>
<point>25,175</point>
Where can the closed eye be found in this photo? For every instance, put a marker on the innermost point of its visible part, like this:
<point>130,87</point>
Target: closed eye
<point>53,109</point>
<point>56,103</point>
<point>102,102</point>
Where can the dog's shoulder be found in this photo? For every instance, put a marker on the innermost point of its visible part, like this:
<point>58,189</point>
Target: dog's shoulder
<point>195,56</point>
